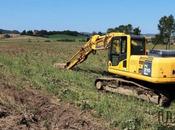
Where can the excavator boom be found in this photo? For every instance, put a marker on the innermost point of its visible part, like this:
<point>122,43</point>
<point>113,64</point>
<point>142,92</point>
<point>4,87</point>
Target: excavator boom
<point>96,42</point>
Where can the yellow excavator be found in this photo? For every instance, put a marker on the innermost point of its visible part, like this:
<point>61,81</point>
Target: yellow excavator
<point>135,72</point>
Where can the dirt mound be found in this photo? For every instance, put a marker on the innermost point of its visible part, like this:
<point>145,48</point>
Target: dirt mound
<point>35,110</point>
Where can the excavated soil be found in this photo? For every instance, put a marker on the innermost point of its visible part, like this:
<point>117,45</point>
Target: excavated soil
<point>28,109</point>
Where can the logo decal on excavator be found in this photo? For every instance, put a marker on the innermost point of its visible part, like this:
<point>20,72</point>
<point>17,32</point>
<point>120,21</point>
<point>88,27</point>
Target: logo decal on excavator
<point>147,68</point>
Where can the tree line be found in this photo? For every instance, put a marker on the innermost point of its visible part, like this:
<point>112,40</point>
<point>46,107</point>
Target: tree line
<point>3,31</point>
<point>45,33</point>
<point>128,29</point>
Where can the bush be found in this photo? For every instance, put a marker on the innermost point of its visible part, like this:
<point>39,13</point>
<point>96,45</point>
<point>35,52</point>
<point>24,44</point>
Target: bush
<point>131,124</point>
<point>7,36</point>
<point>47,41</point>
<point>65,40</point>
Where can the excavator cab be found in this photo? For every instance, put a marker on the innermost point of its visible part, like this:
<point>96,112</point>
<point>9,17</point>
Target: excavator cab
<point>122,47</point>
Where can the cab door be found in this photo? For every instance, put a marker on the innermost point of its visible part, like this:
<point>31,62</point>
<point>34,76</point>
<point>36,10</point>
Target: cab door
<point>118,52</point>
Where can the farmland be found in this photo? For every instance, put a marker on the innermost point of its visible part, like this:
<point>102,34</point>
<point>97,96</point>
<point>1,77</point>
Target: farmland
<point>63,37</point>
<point>26,67</point>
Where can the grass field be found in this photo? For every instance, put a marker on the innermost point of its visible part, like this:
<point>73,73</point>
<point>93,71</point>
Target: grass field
<point>32,61</point>
<point>63,37</point>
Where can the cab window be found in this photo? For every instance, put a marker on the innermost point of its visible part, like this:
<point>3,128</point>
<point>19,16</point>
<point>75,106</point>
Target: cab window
<point>118,50</point>
<point>138,46</point>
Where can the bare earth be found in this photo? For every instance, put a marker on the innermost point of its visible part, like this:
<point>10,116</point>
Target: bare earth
<point>29,109</point>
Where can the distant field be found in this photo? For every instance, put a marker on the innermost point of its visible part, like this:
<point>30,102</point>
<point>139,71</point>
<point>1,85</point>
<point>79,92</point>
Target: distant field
<point>150,46</point>
<point>31,60</point>
<point>67,37</point>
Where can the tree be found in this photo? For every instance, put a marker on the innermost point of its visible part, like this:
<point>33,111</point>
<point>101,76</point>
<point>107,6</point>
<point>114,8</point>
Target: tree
<point>166,28</point>
<point>100,33</point>
<point>94,33</point>
<point>30,33</point>
<point>23,32</point>
<point>128,29</point>
<point>41,33</point>
<point>110,30</point>
<point>136,31</point>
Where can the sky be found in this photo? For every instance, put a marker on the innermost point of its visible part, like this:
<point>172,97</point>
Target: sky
<point>83,15</point>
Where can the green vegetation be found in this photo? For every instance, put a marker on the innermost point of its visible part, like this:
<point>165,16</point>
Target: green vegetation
<point>63,36</point>
<point>67,38</point>
<point>159,46</point>
<point>33,61</point>
<point>166,28</point>
<point>128,29</point>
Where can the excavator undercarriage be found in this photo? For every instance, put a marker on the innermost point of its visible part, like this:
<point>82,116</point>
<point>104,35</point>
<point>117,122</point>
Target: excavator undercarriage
<point>132,88</point>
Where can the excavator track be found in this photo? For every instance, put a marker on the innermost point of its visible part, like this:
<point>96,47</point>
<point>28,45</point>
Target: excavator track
<point>131,88</point>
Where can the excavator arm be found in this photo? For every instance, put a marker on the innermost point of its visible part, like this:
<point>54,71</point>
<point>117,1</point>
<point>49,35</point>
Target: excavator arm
<point>96,42</point>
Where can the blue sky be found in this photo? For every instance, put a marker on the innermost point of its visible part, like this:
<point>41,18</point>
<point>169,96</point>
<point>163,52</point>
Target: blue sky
<point>83,15</point>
